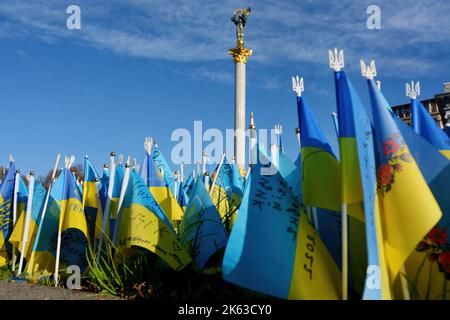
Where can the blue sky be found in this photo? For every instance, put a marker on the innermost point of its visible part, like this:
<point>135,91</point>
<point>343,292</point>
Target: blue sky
<point>147,67</point>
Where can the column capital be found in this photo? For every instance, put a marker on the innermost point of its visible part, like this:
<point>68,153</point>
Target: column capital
<point>240,54</point>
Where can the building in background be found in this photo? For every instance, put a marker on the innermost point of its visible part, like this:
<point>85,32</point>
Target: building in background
<point>438,107</point>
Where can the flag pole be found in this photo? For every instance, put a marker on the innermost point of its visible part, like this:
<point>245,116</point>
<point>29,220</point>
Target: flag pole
<point>297,134</point>
<point>27,220</point>
<point>16,192</point>
<point>217,173</point>
<point>112,168</point>
<point>344,252</point>
<point>198,169</point>
<point>181,172</point>
<point>44,209</point>
<point>335,123</point>
<point>123,190</point>
<point>176,183</point>
<point>204,159</point>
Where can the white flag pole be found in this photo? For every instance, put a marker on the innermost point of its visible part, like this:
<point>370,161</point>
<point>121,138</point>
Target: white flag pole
<point>16,192</point>
<point>335,123</point>
<point>123,190</point>
<point>297,134</point>
<point>47,196</point>
<point>217,174</point>
<point>176,183</point>
<point>112,171</point>
<point>181,172</point>
<point>204,158</point>
<point>198,169</point>
<point>27,220</point>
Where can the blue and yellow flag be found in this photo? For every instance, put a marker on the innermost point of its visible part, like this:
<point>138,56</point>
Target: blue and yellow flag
<point>201,230</point>
<point>425,125</point>
<point>348,100</point>
<point>358,166</point>
<point>37,206</point>
<point>43,256</point>
<point>402,190</point>
<point>6,212</point>
<point>320,168</point>
<point>72,224</point>
<point>427,277</point>
<point>291,263</point>
<point>91,200</point>
<point>144,224</point>
<point>228,189</point>
<point>160,190</point>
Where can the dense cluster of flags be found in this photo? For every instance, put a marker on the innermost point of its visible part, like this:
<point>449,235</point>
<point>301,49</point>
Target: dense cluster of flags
<point>372,219</point>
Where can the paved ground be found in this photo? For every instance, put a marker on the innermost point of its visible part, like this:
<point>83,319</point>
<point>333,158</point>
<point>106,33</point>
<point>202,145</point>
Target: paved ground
<point>26,291</point>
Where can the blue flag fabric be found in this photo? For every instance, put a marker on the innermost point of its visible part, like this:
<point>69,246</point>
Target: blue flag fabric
<point>161,164</point>
<point>425,125</point>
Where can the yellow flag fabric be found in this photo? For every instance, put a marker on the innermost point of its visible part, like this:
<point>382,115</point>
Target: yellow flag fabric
<point>144,224</point>
<point>93,207</point>
<point>168,203</point>
<point>407,206</point>
<point>315,275</point>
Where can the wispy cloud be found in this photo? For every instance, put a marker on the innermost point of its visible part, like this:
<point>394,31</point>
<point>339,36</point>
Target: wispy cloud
<point>208,75</point>
<point>413,35</point>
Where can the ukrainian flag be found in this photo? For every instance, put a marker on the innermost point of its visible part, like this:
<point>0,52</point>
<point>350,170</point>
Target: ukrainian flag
<point>43,256</point>
<point>160,190</point>
<point>91,200</point>
<point>425,272</point>
<point>320,168</point>
<point>291,263</point>
<point>72,225</point>
<point>425,125</point>
<point>6,205</point>
<point>144,224</point>
<point>357,155</point>
<point>348,100</point>
<point>221,192</point>
<point>37,206</point>
<point>402,190</point>
<point>201,231</point>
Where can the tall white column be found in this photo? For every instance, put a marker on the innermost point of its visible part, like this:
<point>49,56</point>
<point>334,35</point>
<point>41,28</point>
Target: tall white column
<point>239,115</point>
<point>240,55</point>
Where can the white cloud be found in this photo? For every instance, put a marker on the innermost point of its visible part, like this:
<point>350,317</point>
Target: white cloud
<point>412,35</point>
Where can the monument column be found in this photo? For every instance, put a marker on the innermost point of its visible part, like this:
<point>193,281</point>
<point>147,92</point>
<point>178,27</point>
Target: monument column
<point>240,55</point>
